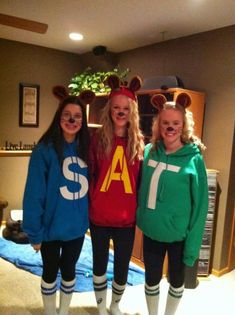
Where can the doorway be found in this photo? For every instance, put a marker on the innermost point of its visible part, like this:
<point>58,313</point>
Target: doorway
<point>231,205</point>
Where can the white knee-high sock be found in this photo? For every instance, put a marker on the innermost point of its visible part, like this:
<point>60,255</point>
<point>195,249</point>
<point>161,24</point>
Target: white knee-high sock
<point>152,298</point>
<point>48,291</point>
<point>100,288</point>
<point>117,292</point>
<point>173,298</point>
<point>66,292</point>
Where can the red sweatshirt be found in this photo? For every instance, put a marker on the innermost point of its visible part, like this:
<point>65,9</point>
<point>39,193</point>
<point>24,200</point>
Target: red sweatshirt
<point>113,187</point>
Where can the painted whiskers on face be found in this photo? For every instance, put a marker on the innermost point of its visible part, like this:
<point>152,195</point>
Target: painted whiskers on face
<point>66,116</point>
<point>71,121</point>
<point>172,130</point>
<point>120,113</point>
<point>171,126</point>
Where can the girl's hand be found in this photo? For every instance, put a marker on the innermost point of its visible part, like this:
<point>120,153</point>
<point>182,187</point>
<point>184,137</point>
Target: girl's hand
<point>36,247</point>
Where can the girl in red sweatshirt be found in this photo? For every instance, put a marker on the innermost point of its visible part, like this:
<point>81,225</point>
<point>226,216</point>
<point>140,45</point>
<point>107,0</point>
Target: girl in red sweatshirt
<point>115,155</point>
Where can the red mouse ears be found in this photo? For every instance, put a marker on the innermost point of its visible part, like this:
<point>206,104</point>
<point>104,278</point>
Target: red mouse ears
<point>158,100</point>
<point>86,96</point>
<point>117,88</point>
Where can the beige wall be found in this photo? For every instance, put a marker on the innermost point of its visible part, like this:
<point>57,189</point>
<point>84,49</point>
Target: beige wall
<point>13,171</point>
<point>204,62</point>
<point>27,64</point>
<point>21,63</point>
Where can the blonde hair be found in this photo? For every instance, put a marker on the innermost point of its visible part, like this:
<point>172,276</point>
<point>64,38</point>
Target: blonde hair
<point>135,139</point>
<point>187,135</point>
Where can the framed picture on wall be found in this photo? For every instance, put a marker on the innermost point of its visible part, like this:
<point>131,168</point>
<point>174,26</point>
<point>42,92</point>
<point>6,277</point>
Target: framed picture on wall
<point>29,105</point>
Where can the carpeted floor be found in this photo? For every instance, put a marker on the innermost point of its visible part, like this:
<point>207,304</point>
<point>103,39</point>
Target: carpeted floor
<point>20,295</point>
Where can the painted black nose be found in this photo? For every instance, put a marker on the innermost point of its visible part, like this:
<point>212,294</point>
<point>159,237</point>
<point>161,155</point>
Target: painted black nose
<point>120,114</point>
<point>170,129</point>
<point>71,120</point>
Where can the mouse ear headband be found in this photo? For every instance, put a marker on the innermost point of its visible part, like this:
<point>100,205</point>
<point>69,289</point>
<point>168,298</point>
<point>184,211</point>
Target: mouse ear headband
<point>61,93</point>
<point>117,88</point>
<point>158,101</point>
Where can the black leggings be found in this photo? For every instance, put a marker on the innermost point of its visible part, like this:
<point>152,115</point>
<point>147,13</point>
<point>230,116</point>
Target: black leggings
<point>60,255</point>
<point>154,254</point>
<point>123,240</point>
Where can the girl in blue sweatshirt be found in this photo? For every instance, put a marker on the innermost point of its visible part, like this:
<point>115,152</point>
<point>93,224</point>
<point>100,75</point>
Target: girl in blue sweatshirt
<point>173,200</point>
<point>55,202</point>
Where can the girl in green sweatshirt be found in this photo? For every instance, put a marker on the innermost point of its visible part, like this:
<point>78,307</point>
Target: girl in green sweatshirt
<point>173,200</point>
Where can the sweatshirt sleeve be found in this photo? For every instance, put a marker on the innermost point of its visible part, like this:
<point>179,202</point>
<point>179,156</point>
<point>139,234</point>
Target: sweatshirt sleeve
<point>199,197</point>
<point>34,196</point>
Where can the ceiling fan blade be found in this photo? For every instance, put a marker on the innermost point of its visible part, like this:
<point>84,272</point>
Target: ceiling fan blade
<point>24,24</point>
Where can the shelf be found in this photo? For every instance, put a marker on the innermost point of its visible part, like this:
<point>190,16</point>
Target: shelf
<point>13,153</point>
<point>90,125</point>
<point>205,251</point>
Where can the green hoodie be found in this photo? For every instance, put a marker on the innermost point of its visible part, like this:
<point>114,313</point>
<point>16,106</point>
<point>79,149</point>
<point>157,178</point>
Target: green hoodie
<point>173,197</point>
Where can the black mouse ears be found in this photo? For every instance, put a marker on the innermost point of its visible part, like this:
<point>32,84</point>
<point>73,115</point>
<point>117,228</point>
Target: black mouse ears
<point>117,88</point>
<point>61,93</point>
<point>158,100</point>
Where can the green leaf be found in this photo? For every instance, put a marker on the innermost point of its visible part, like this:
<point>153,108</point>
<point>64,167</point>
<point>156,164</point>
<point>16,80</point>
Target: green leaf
<point>94,80</point>
<point>94,85</point>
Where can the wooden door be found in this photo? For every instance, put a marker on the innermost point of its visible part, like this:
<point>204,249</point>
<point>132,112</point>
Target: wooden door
<point>232,245</point>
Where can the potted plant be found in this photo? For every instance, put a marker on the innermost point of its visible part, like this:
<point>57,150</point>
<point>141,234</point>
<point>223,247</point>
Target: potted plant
<point>95,81</point>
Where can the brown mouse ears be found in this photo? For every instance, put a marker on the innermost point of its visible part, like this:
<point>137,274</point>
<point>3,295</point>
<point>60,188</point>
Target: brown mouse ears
<point>86,96</point>
<point>158,100</point>
<point>117,88</point>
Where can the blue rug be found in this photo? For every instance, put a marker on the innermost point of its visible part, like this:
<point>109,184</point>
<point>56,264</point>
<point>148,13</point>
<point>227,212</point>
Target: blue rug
<point>24,257</point>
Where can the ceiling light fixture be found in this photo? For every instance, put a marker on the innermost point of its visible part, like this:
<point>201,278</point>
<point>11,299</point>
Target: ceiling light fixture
<point>75,36</point>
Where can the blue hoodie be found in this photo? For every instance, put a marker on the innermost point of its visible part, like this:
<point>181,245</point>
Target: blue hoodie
<point>55,200</point>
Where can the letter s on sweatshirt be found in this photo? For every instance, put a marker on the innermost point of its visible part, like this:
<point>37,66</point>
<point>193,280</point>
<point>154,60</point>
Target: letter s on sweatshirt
<point>81,179</point>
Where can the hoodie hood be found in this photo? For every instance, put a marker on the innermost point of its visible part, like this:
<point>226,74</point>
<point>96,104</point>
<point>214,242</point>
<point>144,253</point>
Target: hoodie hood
<point>186,150</point>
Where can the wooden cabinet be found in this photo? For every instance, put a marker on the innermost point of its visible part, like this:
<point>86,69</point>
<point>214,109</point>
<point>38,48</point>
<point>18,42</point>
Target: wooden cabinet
<point>94,110</point>
<point>138,245</point>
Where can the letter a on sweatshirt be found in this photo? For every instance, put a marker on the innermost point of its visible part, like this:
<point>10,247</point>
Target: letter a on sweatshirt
<point>118,157</point>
